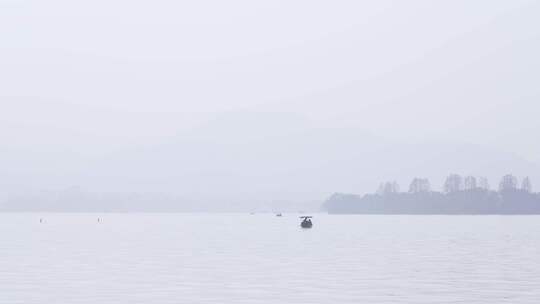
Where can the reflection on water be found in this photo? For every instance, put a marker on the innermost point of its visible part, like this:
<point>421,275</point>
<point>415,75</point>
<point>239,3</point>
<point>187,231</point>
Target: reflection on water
<point>237,258</point>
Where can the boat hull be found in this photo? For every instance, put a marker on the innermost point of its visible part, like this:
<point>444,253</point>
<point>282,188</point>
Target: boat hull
<point>306,225</point>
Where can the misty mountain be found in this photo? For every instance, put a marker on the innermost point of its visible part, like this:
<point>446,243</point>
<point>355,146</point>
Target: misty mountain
<point>256,157</point>
<point>264,156</point>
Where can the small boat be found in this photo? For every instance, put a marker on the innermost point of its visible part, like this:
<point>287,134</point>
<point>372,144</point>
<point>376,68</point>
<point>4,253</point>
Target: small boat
<point>306,222</point>
<point>279,214</point>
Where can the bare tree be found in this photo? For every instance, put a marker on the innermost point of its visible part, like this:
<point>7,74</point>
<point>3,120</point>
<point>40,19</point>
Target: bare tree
<point>388,187</point>
<point>380,190</point>
<point>483,183</point>
<point>470,183</point>
<point>526,185</point>
<point>395,187</point>
<point>414,186</point>
<point>453,183</point>
<point>420,185</point>
<point>508,182</point>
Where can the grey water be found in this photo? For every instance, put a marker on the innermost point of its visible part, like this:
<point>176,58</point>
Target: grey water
<point>261,258</point>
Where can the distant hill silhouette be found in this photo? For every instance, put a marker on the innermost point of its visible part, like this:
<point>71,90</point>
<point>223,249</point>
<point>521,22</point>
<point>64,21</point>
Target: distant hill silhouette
<point>76,199</point>
<point>508,200</point>
<point>246,156</point>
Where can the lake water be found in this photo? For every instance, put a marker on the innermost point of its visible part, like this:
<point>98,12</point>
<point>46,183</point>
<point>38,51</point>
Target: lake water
<point>237,258</point>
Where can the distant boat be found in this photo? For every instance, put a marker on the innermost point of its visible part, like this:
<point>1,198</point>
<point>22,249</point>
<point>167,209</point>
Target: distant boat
<point>279,214</point>
<point>306,222</point>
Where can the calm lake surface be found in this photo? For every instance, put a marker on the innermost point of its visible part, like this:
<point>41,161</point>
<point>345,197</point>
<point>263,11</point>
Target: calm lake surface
<point>237,258</point>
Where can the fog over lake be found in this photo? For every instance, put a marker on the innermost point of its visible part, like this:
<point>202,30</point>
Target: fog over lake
<point>242,258</point>
<point>246,101</point>
<point>163,151</point>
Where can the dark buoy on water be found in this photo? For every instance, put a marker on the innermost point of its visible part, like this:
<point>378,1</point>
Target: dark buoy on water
<point>306,222</point>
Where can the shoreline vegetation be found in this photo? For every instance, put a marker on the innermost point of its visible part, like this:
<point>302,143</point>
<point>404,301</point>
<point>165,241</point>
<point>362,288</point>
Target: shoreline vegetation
<point>460,195</point>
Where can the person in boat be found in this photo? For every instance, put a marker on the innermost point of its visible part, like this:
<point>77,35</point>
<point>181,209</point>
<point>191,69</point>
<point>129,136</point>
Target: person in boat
<point>307,221</point>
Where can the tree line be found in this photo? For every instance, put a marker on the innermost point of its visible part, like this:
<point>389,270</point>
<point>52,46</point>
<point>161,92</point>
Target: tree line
<point>459,195</point>
<point>457,183</point>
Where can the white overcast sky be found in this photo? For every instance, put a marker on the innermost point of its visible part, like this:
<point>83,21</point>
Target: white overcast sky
<point>83,80</point>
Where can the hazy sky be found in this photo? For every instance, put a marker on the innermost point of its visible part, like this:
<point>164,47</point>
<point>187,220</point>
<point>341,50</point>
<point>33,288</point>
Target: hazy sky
<point>84,85</point>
